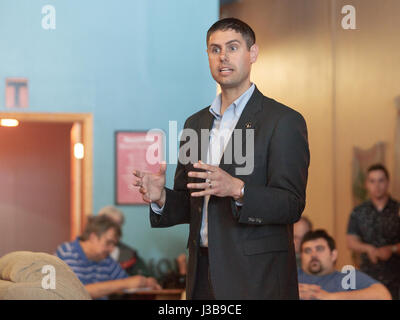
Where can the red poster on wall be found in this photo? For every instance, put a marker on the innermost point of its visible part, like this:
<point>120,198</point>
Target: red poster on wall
<point>135,151</point>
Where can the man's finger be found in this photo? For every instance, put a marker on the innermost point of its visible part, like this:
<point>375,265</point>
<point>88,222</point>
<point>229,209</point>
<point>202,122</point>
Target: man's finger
<point>204,185</point>
<point>204,166</point>
<point>163,167</point>
<point>138,183</point>
<point>142,190</point>
<point>195,174</point>
<point>138,173</point>
<point>203,193</point>
<point>146,198</point>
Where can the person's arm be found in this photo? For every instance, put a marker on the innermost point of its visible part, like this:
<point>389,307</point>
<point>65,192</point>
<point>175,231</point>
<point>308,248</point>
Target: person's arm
<point>101,289</point>
<point>105,288</point>
<point>397,250</point>
<point>354,238</point>
<point>376,291</point>
<point>284,195</point>
<point>354,243</point>
<point>385,253</point>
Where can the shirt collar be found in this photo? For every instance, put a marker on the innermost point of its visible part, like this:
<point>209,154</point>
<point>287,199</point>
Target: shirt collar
<point>238,104</point>
<point>389,203</point>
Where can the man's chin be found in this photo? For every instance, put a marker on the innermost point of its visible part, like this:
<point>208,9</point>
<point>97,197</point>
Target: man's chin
<point>100,258</point>
<point>225,83</point>
<point>380,196</point>
<point>315,271</point>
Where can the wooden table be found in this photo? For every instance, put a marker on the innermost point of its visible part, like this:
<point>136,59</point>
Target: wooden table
<point>163,294</point>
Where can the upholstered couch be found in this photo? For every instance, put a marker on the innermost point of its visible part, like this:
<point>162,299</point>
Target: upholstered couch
<point>28,275</point>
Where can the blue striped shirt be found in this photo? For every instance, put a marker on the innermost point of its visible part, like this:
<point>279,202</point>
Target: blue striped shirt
<point>89,271</point>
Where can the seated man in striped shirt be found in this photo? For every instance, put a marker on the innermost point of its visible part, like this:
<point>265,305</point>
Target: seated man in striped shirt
<point>89,257</point>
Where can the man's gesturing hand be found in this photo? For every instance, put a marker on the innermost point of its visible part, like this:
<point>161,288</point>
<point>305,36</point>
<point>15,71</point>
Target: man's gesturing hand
<point>217,182</point>
<point>152,185</point>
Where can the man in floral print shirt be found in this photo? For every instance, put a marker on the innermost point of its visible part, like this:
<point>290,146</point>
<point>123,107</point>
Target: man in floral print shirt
<point>374,231</point>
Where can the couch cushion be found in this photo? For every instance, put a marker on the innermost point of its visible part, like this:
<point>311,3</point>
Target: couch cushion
<point>28,274</point>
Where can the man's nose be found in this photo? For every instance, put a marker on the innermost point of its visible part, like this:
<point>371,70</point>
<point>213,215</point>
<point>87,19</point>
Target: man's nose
<point>223,56</point>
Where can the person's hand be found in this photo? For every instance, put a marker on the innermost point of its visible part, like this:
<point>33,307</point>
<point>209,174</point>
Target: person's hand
<point>218,182</point>
<point>308,291</point>
<point>312,292</point>
<point>152,185</point>
<point>134,282</point>
<point>321,294</point>
<point>181,261</point>
<point>152,283</point>
<point>372,253</point>
<point>384,253</point>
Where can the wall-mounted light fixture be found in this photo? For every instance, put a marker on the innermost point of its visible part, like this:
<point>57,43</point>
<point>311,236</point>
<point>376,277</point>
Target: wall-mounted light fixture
<point>9,122</point>
<point>79,150</point>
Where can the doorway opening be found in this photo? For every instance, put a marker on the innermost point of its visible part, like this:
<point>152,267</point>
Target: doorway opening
<point>45,179</point>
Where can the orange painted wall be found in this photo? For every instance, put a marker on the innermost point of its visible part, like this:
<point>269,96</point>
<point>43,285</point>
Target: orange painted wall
<point>344,82</point>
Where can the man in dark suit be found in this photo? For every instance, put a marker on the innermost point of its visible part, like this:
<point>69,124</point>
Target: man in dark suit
<point>241,221</point>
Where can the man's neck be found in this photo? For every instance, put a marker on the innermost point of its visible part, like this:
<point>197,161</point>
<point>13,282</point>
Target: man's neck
<point>229,95</point>
<point>380,203</point>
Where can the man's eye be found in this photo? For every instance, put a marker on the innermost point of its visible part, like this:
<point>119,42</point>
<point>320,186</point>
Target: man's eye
<point>232,48</point>
<point>215,50</point>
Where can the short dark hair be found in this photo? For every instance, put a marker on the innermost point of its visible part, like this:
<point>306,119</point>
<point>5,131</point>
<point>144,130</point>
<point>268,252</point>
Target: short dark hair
<point>379,166</point>
<point>234,24</point>
<point>100,225</point>
<point>317,234</point>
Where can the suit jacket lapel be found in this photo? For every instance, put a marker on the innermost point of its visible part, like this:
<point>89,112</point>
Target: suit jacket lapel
<point>247,120</point>
<point>205,123</point>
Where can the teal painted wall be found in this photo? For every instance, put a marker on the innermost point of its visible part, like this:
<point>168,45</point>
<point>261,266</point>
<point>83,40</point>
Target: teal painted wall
<point>133,64</point>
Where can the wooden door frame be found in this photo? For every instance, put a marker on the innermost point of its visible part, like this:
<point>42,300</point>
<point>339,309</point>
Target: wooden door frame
<point>86,120</point>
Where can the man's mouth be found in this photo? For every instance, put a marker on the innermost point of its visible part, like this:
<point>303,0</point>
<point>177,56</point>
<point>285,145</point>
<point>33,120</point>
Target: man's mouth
<point>225,70</point>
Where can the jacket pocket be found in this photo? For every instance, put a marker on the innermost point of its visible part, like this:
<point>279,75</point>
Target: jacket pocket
<point>267,244</point>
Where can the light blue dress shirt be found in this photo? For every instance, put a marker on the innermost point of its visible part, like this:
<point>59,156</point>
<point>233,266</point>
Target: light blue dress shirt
<point>221,132</point>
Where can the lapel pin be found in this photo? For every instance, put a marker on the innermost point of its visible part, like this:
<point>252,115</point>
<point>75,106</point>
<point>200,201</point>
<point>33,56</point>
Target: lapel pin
<point>248,125</point>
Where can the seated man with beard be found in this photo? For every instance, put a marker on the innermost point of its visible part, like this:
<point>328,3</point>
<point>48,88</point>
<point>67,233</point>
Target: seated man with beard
<point>319,280</point>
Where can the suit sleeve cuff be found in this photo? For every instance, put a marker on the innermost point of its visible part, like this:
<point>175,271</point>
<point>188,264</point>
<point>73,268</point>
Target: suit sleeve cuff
<point>239,204</point>
<point>156,209</point>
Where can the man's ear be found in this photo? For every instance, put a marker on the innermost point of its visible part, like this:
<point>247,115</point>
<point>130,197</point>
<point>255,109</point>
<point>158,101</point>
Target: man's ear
<point>93,236</point>
<point>253,53</point>
<point>334,255</point>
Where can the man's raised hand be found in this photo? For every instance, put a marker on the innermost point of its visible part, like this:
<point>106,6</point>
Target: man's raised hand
<point>152,185</point>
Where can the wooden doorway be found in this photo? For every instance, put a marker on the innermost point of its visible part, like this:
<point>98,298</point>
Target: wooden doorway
<point>77,128</point>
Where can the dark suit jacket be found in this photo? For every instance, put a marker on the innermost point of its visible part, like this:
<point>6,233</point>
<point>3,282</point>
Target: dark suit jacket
<point>251,250</point>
